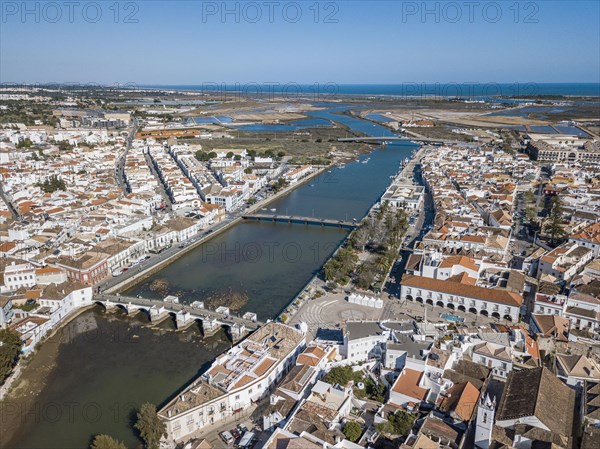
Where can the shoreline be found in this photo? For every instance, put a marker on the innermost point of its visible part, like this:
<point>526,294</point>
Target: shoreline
<point>12,384</point>
<point>23,390</point>
<point>415,159</point>
<point>47,364</point>
<point>140,277</point>
<point>8,388</point>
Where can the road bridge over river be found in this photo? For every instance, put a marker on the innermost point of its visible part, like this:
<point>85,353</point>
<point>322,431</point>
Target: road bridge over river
<point>389,139</point>
<point>302,220</point>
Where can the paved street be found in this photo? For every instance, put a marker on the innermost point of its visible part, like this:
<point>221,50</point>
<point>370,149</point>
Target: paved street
<point>120,164</point>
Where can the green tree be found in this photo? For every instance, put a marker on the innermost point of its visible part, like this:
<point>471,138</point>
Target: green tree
<point>52,184</point>
<point>554,224</point>
<point>341,375</point>
<point>150,426</point>
<point>339,267</point>
<point>531,213</point>
<point>385,428</point>
<point>230,155</point>
<point>248,170</point>
<point>366,276</point>
<point>10,348</point>
<point>212,155</point>
<point>280,184</point>
<point>352,431</point>
<point>106,442</point>
<point>529,196</point>
<point>201,156</point>
<point>25,143</point>
<point>402,422</point>
<point>63,145</point>
<point>375,390</point>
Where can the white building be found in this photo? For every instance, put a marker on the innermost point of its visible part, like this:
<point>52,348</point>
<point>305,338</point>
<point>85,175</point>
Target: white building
<point>407,196</point>
<point>236,379</point>
<point>565,261</point>
<point>18,275</point>
<point>494,356</point>
<point>364,340</point>
<point>6,312</point>
<point>465,297</point>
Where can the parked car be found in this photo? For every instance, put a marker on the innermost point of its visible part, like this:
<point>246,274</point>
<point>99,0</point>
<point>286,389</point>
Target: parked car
<point>227,437</point>
<point>247,440</point>
<point>236,433</point>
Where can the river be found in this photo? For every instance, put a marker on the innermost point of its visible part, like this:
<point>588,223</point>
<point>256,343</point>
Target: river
<point>268,263</point>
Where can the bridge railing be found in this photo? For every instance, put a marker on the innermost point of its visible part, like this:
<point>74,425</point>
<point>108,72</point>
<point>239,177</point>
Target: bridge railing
<point>177,307</point>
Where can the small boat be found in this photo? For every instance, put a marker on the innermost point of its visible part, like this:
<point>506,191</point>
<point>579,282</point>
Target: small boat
<point>273,210</point>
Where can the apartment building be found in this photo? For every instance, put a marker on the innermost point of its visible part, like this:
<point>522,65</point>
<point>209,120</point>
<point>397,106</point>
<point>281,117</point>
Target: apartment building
<point>236,379</point>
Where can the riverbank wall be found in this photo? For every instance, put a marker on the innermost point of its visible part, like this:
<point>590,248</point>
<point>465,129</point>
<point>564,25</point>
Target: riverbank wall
<point>303,295</point>
<point>148,272</point>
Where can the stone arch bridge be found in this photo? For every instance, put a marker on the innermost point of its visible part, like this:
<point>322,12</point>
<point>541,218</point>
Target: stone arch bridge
<point>184,315</point>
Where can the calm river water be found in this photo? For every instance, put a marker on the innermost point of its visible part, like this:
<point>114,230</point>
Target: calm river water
<point>269,263</point>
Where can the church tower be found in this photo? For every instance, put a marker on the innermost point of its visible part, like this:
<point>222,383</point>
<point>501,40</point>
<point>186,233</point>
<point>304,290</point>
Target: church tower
<point>486,410</point>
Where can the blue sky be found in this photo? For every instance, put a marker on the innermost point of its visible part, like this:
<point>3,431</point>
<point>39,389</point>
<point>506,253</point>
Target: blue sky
<point>192,42</point>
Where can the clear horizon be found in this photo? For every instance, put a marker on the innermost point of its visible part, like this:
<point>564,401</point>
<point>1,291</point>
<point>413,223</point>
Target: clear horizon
<point>349,42</point>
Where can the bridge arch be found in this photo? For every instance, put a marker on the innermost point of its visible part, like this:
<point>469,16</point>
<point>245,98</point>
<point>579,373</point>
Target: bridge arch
<point>144,311</point>
<point>496,315</point>
<point>440,304</point>
<point>122,307</point>
<point>473,310</point>
<point>484,313</point>
<point>101,304</point>
<point>430,302</point>
<point>462,308</point>
<point>409,297</point>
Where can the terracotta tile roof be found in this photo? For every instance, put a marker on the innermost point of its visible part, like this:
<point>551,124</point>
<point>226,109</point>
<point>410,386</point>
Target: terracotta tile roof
<point>244,381</point>
<point>408,385</point>
<point>466,262</point>
<point>311,356</point>
<point>461,399</point>
<point>264,366</point>
<point>7,246</point>
<point>469,291</point>
<point>47,270</point>
<point>591,233</point>
<point>462,278</point>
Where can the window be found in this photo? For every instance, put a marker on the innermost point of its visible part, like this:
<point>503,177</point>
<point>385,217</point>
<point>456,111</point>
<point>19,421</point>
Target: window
<point>484,417</point>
